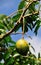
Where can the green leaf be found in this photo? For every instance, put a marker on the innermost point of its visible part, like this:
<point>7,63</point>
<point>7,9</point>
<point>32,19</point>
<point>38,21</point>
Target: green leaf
<point>37,27</point>
<point>7,55</point>
<point>10,61</point>
<point>2,16</point>
<point>16,17</point>
<point>9,23</point>
<point>32,7</point>
<point>2,31</point>
<point>30,26</point>
<point>6,23</point>
<point>18,27</point>
<point>8,39</point>
<point>22,5</point>
<point>2,25</point>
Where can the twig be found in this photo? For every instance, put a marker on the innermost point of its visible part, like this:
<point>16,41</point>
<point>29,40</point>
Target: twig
<point>31,14</point>
<point>23,28</point>
<point>14,13</point>
<point>15,33</point>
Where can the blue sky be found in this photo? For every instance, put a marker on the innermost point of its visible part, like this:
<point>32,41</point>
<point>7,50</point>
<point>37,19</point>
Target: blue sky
<point>9,6</point>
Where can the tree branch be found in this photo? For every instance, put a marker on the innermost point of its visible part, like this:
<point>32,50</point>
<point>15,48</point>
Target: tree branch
<point>31,14</point>
<point>18,22</point>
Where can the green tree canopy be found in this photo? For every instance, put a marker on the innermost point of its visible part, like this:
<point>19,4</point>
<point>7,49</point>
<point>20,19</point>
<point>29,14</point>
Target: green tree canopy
<point>26,17</point>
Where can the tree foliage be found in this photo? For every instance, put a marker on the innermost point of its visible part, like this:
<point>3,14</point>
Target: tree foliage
<point>28,13</point>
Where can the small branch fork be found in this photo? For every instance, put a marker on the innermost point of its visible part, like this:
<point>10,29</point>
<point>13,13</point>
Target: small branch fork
<point>19,21</point>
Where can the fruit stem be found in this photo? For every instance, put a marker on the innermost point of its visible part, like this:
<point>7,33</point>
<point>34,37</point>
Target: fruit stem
<point>23,29</point>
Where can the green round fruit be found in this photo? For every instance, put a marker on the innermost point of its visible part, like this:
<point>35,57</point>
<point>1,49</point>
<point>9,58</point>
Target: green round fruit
<point>22,46</point>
